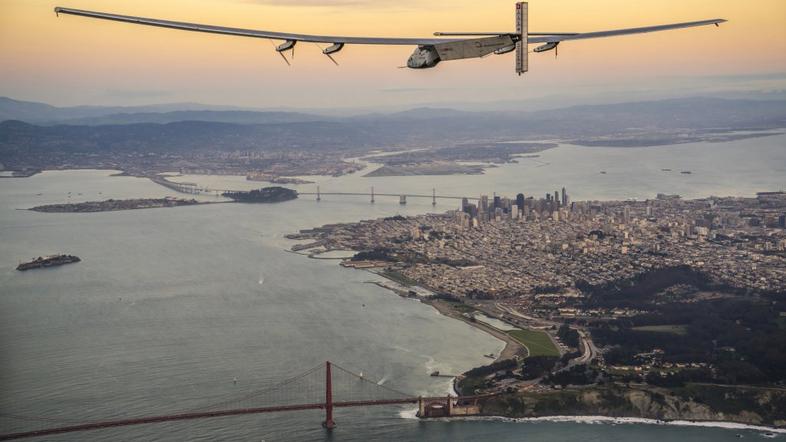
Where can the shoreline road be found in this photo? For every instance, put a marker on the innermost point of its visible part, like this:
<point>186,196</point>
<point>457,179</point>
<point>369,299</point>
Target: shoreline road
<point>588,349</point>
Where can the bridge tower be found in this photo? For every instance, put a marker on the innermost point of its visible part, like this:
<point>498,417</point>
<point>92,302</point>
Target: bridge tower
<point>433,196</point>
<point>372,194</point>
<point>318,196</point>
<point>329,423</point>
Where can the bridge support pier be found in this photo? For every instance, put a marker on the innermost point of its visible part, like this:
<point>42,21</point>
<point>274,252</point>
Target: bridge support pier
<point>421,407</point>
<point>329,423</point>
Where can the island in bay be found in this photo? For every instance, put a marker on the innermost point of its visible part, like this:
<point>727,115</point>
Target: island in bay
<point>265,195</point>
<point>111,205</point>
<point>47,261</point>
<point>667,308</point>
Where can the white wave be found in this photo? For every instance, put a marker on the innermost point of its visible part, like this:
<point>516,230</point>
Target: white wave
<point>410,413</point>
<point>625,420</point>
<point>431,365</point>
<point>261,280</point>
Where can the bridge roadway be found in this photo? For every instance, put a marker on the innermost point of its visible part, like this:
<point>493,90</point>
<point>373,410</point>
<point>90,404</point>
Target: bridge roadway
<point>192,188</point>
<point>222,413</point>
<point>369,194</point>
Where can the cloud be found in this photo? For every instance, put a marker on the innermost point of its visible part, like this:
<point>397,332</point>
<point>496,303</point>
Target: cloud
<point>408,90</point>
<point>365,4</point>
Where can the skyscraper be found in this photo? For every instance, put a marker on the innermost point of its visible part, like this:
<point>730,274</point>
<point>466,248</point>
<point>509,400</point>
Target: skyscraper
<point>564,197</point>
<point>520,201</point>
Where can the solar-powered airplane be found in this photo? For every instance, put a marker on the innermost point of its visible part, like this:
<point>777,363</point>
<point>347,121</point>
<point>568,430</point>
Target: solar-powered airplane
<point>429,52</point>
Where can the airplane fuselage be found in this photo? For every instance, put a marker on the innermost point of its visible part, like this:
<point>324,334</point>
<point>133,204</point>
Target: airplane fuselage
<point>424,57</point>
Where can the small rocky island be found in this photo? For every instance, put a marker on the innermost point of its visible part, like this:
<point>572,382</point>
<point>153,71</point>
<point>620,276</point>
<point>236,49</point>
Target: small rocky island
<point>47,261</point>
<point>113,205</point>
<point>274,194</point>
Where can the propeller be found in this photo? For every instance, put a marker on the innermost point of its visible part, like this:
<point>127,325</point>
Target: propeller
<point>326,52</point>
<point>285,58</point>
<point>288,45</point>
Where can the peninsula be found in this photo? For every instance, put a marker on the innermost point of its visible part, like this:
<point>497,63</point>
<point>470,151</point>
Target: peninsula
<point>660,309</point>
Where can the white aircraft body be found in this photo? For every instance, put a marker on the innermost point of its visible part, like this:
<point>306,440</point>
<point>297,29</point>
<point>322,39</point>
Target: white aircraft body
<point>429,52</point>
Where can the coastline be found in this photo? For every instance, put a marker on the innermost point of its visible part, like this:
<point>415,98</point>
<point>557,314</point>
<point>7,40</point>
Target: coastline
<point>593,419</point>
<point>514,348</point>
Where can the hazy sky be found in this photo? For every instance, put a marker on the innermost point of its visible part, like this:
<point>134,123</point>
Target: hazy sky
<point>72,60</point>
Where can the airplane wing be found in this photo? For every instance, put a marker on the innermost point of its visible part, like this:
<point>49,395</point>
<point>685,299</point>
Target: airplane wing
<point>556,38</point>
<point>252,32</point>
<point>430,50</point>
<point>540,37</point>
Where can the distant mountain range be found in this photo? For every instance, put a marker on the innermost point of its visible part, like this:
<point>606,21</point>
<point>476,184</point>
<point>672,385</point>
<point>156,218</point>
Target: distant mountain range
<point>41,113</point>
<point>38,129</point>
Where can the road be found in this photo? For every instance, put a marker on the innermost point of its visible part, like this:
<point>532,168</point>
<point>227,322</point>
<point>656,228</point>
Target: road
<point>589,350</point>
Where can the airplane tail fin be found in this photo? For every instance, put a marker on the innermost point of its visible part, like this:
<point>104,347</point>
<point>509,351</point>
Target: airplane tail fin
<point>522,25</point>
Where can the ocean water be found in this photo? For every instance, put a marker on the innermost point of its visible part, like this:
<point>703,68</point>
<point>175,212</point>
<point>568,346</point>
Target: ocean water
<point>168,306</point>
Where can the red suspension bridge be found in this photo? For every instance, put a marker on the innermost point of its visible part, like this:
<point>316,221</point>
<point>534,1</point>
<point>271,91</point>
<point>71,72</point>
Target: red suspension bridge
<point>324,387</point>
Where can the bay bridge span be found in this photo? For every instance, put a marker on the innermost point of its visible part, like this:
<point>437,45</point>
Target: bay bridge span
<point>195,189</point>
<point>401,196</point>
<point>323,387</point>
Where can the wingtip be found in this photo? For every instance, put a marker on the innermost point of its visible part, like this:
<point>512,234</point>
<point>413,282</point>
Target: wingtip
<point>57,10</point>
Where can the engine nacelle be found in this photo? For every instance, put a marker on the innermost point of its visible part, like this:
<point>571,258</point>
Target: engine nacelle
<point>547,47</point>
<point>333,49</point>
<point>287,45</point>
<point>505,50</point>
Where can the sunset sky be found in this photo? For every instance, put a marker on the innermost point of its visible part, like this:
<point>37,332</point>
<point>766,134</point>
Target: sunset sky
<point>73,60</point>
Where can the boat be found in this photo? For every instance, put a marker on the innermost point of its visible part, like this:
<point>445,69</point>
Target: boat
<point>686,172</point>
<point>47,261</point>
<point>490,355</point>
<point>666,170</point>
<point>435,373</point>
